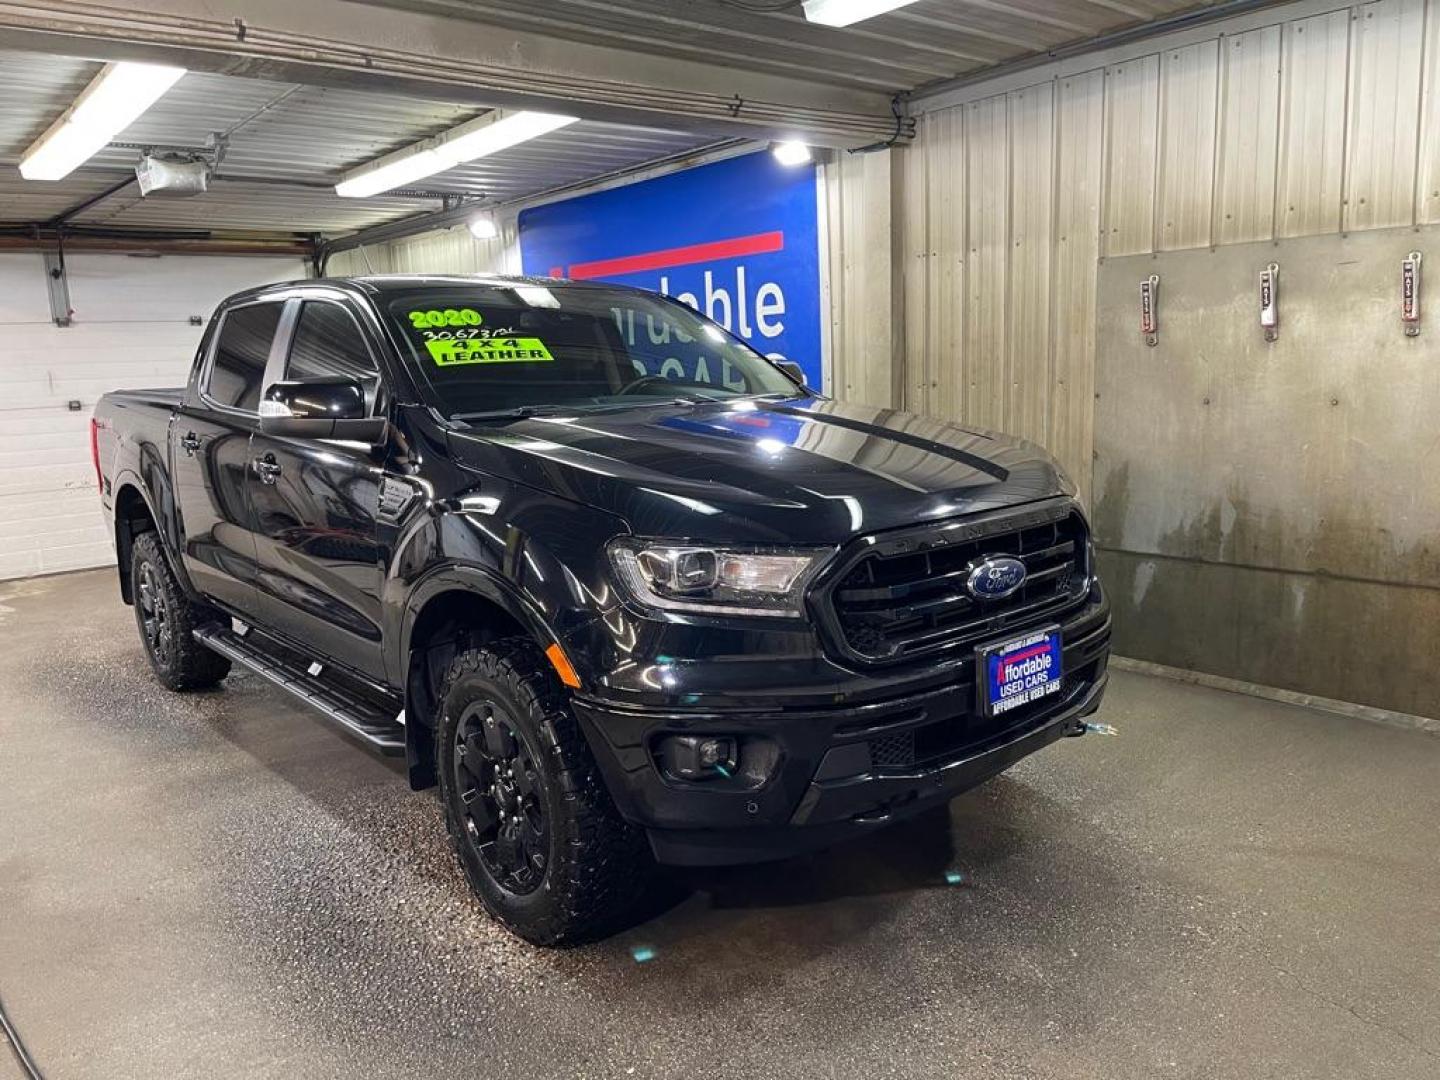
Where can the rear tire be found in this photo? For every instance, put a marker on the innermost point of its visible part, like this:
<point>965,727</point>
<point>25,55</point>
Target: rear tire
<point>537,834</point>
<point>167,619</point>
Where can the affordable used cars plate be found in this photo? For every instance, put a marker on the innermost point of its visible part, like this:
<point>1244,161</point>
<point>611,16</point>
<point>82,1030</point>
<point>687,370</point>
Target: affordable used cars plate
<point>1015,673</point>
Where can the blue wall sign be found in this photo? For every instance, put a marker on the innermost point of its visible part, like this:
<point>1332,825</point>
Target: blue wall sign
<point>737,240</point>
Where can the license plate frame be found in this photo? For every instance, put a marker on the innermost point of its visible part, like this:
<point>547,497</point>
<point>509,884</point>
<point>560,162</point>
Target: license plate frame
<point>1037,680</point>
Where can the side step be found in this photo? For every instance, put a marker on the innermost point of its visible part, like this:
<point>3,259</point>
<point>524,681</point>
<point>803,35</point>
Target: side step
<point>365,719</point>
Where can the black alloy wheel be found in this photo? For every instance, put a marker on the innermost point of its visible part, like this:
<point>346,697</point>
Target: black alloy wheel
<point>167,618</point>
<point>537,835</point>
<point>154,614</point>
<point>500,800</point>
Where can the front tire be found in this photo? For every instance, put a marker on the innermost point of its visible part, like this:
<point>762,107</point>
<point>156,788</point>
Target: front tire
<point>537,834</point>
<point>167,619</point>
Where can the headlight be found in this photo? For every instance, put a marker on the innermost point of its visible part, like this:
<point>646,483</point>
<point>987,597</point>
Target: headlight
<point>724,580</point>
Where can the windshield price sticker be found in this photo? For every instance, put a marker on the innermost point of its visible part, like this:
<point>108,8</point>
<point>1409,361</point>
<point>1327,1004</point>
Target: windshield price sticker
<point>493,350</point>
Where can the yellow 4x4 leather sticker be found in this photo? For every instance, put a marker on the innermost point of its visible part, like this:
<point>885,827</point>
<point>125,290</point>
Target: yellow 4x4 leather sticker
<point>515,350</point>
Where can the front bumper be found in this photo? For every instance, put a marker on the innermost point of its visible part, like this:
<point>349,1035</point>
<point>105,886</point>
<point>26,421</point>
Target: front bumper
<point>816,775</point>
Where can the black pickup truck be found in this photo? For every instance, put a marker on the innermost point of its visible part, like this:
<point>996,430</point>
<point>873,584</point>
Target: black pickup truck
<point>628,591</point>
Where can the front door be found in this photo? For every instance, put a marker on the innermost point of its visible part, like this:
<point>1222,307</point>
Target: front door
<point>210,455</point>
<point>315,503</point>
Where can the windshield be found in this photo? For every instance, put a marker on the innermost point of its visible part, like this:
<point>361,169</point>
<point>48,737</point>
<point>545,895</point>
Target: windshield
<point>497,350</point>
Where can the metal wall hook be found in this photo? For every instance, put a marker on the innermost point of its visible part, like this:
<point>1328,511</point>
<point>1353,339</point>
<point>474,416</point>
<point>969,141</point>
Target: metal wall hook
<point>1410,293</point>
<point>1150,309</point>
<point>1270,301</point>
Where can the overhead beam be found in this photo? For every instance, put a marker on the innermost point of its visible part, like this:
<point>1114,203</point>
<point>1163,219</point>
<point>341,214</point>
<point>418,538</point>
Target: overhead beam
<point>148,243</point>
<point>336,43</point>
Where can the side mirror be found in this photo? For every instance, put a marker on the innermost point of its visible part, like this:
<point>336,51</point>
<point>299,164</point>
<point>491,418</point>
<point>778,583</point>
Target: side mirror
<point>320,409</point>
<point>794,370</point>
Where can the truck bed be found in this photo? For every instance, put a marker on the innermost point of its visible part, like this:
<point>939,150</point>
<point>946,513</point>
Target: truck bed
<point>164,397</point>
<point>131,426</point>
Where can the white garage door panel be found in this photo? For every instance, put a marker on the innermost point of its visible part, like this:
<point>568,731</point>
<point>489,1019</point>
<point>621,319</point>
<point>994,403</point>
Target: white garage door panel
<point>47,478</point>
<point>57,510</point>
<point>31,437</point>
<point>131,330</point>
<point>123,288</point>
<point>22,300</point>
<point>44,366</point>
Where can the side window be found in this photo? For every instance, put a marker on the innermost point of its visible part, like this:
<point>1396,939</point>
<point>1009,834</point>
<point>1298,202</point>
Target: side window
<point>240,355</point>
<point>328,342</point>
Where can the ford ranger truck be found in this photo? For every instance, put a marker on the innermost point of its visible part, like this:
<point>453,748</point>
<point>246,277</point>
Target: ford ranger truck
<point>625,589</point>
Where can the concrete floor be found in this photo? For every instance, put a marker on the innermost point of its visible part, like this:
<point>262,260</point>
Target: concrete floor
<point>217,885</point>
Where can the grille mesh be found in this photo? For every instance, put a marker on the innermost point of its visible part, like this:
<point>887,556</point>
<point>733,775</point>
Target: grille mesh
<point>894,750</point>
<point>895,607</point>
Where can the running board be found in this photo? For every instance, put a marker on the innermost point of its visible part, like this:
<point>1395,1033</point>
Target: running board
<point>366,720</point>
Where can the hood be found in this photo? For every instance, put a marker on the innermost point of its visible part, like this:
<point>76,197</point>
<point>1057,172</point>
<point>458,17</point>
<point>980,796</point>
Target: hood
<point>807,471</point>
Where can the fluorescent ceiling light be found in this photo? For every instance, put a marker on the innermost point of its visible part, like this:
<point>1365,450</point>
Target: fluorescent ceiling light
<point>112,102</point>
<point>845,12</point>
<point>479,138</point>
<point>483,227</point>
<point>791,153</point>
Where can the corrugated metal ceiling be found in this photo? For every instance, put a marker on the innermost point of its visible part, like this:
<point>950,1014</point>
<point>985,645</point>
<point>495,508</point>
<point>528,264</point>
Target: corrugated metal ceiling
<point>288,143</point>
<point>291,143</point>
<point>901,50</point>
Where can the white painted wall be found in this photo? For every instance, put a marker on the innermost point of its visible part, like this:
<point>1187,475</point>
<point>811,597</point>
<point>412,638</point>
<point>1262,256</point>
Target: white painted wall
<point>131,329</point>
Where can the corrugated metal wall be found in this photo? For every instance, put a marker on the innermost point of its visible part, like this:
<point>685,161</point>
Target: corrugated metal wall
<point>451,251</point>
<point>1318,124</point>
<point>859,218</point>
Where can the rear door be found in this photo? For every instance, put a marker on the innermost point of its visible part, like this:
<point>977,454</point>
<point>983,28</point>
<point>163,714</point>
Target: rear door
<point>210,454</point>
<point>315,502</point>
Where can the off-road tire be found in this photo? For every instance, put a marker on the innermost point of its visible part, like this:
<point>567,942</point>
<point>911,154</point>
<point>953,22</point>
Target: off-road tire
<point>596,866</point>
<point>178,660</point>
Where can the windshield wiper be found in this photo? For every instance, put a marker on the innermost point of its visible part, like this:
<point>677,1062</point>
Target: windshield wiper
<point>649,402</point>
<point>525,412</point>
<point>519,412</point>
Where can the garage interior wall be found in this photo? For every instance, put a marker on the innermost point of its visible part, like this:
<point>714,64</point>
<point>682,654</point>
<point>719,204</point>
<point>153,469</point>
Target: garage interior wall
<point>132,328</point>
<point>858,214</point>
<point>449,251</point>
<point>1303,120</point>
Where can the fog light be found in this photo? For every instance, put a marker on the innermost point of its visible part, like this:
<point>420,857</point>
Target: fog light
<point>696,757</point>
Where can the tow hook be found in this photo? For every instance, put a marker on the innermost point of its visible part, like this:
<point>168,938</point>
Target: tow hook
<point>1085,727</point>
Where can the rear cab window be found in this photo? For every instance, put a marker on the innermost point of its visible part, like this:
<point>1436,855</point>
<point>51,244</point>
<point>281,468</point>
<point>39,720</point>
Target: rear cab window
<point>237,369</point>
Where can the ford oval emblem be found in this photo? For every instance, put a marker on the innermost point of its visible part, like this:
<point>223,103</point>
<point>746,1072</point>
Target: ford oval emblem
<point>995,577</point>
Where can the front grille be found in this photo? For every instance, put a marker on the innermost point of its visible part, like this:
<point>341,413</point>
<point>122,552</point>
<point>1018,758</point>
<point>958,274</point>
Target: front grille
<point>908,598</point>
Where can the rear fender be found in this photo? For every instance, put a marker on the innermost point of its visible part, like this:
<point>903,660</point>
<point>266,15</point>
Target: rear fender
<point>124,535</point>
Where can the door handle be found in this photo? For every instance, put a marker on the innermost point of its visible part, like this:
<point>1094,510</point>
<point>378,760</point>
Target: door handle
<point>266,468</point>
<point>190,442</point>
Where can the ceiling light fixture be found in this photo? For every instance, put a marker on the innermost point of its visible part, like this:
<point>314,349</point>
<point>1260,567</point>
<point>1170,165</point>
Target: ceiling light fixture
<point>845,12</point>
<point>483,227</point>
<point>113,101</point>
<point>479,138</point>
<point>790,153</point>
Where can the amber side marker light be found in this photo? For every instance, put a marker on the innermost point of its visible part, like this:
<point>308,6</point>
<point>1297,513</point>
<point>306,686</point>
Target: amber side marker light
<point>561,663</point>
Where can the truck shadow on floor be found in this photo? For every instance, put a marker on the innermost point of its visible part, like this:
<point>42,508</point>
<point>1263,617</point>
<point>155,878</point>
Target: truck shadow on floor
<point>818,902</point>
<point>906,855</point>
